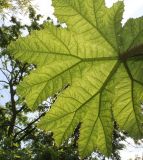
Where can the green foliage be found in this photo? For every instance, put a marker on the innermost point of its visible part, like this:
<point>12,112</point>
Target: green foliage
<point>95,67</point>
<point>4,4</point>
<point>14,4</point>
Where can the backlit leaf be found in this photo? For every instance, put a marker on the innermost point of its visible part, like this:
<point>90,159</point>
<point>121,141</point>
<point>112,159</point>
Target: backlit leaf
<point>101,61</point>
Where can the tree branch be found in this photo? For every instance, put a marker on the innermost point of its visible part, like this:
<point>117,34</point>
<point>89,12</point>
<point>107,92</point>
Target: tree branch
<point>13,107</point>
<point>26,134</point>
<point>1,81</point>
<point>29,125</point>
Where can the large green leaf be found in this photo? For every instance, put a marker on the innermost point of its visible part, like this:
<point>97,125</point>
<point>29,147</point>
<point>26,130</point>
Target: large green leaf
<point>101,61</point>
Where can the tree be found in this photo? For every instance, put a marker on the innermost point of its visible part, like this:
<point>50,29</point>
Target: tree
<point>14,124</point>
<point>11,4</point>
<point>15,8</point>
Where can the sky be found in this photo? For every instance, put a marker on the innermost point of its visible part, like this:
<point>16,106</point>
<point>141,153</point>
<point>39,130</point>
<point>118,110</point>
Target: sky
<point>133,9</point>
